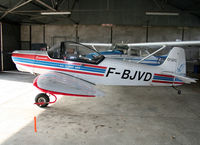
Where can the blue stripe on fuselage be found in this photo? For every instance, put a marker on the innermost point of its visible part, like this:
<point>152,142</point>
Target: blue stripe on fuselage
<point>59,65</point>
<point>138,59</point>
<point>163,78</point>
<point>176,79</point>
<point>166,78</point>
<point>151,64</point>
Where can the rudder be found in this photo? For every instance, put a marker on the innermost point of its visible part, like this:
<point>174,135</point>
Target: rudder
<point>175,62</point>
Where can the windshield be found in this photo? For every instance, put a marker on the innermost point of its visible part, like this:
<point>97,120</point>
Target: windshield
<point>75,52</point>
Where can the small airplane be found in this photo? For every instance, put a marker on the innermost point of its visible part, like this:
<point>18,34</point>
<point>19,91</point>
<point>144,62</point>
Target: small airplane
<point>126,53</point>
<point>74,69</point>
<point>133,52</point>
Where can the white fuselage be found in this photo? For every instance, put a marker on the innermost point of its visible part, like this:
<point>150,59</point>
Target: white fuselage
<point>108,72</point>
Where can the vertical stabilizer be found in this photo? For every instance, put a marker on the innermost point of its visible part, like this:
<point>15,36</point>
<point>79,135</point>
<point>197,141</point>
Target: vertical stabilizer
<point>175,62</point>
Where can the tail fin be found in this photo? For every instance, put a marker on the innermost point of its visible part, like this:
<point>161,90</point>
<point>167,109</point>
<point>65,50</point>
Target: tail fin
<point>175,65</point>
<point>175,62</point>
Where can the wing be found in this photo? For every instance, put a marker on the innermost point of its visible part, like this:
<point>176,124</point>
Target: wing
<point>186,80</point>
<point>148,44</point>
<point>172,43</point>
<point>98,44</point>
<point>63,84</point>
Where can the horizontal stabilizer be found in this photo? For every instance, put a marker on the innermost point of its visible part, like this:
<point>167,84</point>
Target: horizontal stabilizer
<point>186,80</point>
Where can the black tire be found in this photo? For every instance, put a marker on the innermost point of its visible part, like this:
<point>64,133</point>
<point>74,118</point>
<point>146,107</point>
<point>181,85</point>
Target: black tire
<point>42,97</point>
<point>179,92</point>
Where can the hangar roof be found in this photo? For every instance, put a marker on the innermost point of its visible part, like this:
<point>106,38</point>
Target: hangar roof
<point>118,12</point>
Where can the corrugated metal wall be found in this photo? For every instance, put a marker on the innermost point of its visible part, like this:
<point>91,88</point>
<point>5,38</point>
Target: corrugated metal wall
<point>126,12</point>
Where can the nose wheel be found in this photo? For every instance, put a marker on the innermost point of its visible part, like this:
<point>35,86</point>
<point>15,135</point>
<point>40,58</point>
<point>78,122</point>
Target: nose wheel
<point>42,100</point>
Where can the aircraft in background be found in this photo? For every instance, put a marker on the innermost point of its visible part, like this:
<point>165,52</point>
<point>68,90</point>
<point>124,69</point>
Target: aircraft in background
<point>125,53</point>
<point>74,69</point>
<point>134,52</point>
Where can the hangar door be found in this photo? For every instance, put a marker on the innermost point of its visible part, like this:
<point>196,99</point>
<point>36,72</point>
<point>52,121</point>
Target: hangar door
<point>0,47</point>
<point>10,41</point>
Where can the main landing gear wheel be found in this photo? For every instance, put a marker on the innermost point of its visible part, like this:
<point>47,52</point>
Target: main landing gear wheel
<point>178,91</point>
<point>42,100</point>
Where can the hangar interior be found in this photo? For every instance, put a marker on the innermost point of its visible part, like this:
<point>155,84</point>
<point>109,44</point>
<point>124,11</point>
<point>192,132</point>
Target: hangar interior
<point>126,115</point>
<point>106,21</point>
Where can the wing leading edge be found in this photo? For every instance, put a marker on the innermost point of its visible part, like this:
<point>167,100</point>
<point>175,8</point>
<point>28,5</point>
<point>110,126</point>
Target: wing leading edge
<point>148,44</point>
<point>63,84</point>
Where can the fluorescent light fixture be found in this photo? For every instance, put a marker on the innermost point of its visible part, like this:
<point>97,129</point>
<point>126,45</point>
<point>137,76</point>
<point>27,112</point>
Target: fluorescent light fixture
<point>56,13</point>
<point>162,13</point>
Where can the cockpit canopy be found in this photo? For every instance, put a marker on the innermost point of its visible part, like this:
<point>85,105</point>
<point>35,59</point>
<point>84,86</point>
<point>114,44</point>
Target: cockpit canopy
<point>73,51</point>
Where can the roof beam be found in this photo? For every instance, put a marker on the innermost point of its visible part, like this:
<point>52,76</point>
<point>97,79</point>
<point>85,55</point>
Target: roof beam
<point>58,3</point>
<point>47,6</point>
<point>181,9</point>
<point>53,3</point>
<point>69,16</point>
<point>4,7</point>
<point>38,5</point>
<point>14,8</point>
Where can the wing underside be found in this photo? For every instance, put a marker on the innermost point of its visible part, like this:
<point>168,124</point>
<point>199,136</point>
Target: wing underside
<point>63,84</point>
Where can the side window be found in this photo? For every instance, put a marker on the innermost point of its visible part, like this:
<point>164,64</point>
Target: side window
<point>54,52</point>
<point>69,52</point>
<point>88,55</point>
<point>75,52</point>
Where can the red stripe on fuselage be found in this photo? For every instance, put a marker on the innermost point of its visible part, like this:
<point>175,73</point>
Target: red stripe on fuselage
<point>29,56</point>
<point>46,58</point>
<point>161,75</point>
<point>57,69</point>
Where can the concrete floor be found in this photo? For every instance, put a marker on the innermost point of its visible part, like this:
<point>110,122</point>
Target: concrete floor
<point>125,116</point>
